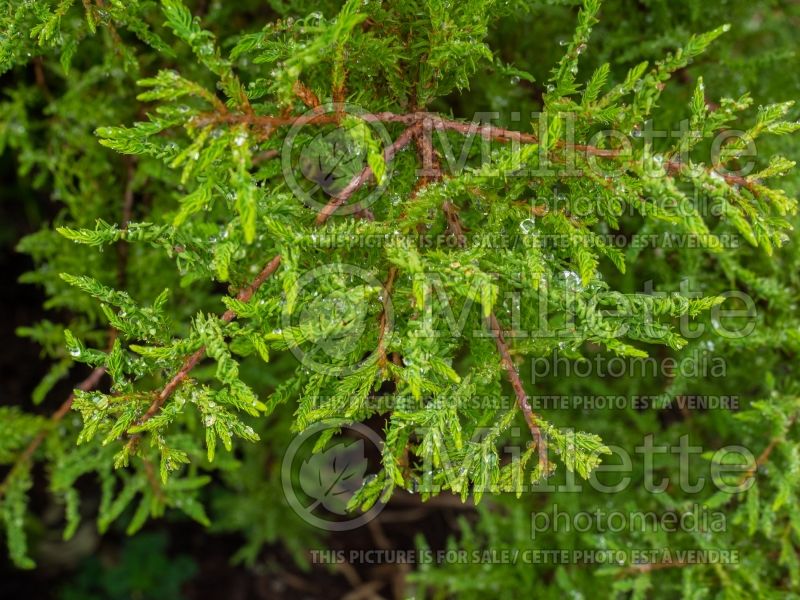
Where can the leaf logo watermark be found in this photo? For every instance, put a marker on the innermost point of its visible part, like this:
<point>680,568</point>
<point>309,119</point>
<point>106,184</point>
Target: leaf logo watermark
<point>318,486</point>
<point>333,476</point>
<point>330,147</point>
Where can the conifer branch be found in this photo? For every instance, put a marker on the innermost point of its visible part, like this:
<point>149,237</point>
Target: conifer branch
<point>533,190</point>
<point>93,379</point>
<point>384,321</point>
<point>152,479</point>
<point>435,121</point>
<point>265,156</point>
<point>767,451</point>
<point>456,229</point>
<point>306,94</point>
<point>516,384</point>
<point>88,384</point>
<point>356,182</point>
<point>127,214</point>
<point>192,360</point>
<point>41,80</point>
<point>431,168</point>
<point>246,293</point>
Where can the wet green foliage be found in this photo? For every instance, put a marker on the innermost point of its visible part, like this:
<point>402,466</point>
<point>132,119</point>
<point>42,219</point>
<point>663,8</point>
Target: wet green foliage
<point>160,130</point>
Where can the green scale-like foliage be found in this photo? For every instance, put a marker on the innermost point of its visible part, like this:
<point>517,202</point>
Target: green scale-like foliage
<point>201,351</point>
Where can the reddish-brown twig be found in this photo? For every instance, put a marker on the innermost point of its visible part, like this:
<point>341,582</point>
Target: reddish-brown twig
<point>356,182</point>
<point>765,454</point>
<point>306,94</point>
<point>431,168</point>
<point>191,361</point>
<point>456,229</point>
<point>419,127</point>
<point>435,121</point>
<point>246,293</point>
<point>127,214</point>
<point>93,379</point>
<point>86,385</point>
<point>638,569</point>
<point>516,383</point>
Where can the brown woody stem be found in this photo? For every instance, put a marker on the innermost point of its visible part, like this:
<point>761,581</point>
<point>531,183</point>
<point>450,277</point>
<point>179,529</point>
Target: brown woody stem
<point>516,382</point>
<point>356,182</point>
<point>191,361</point>
<point>86,385</point>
